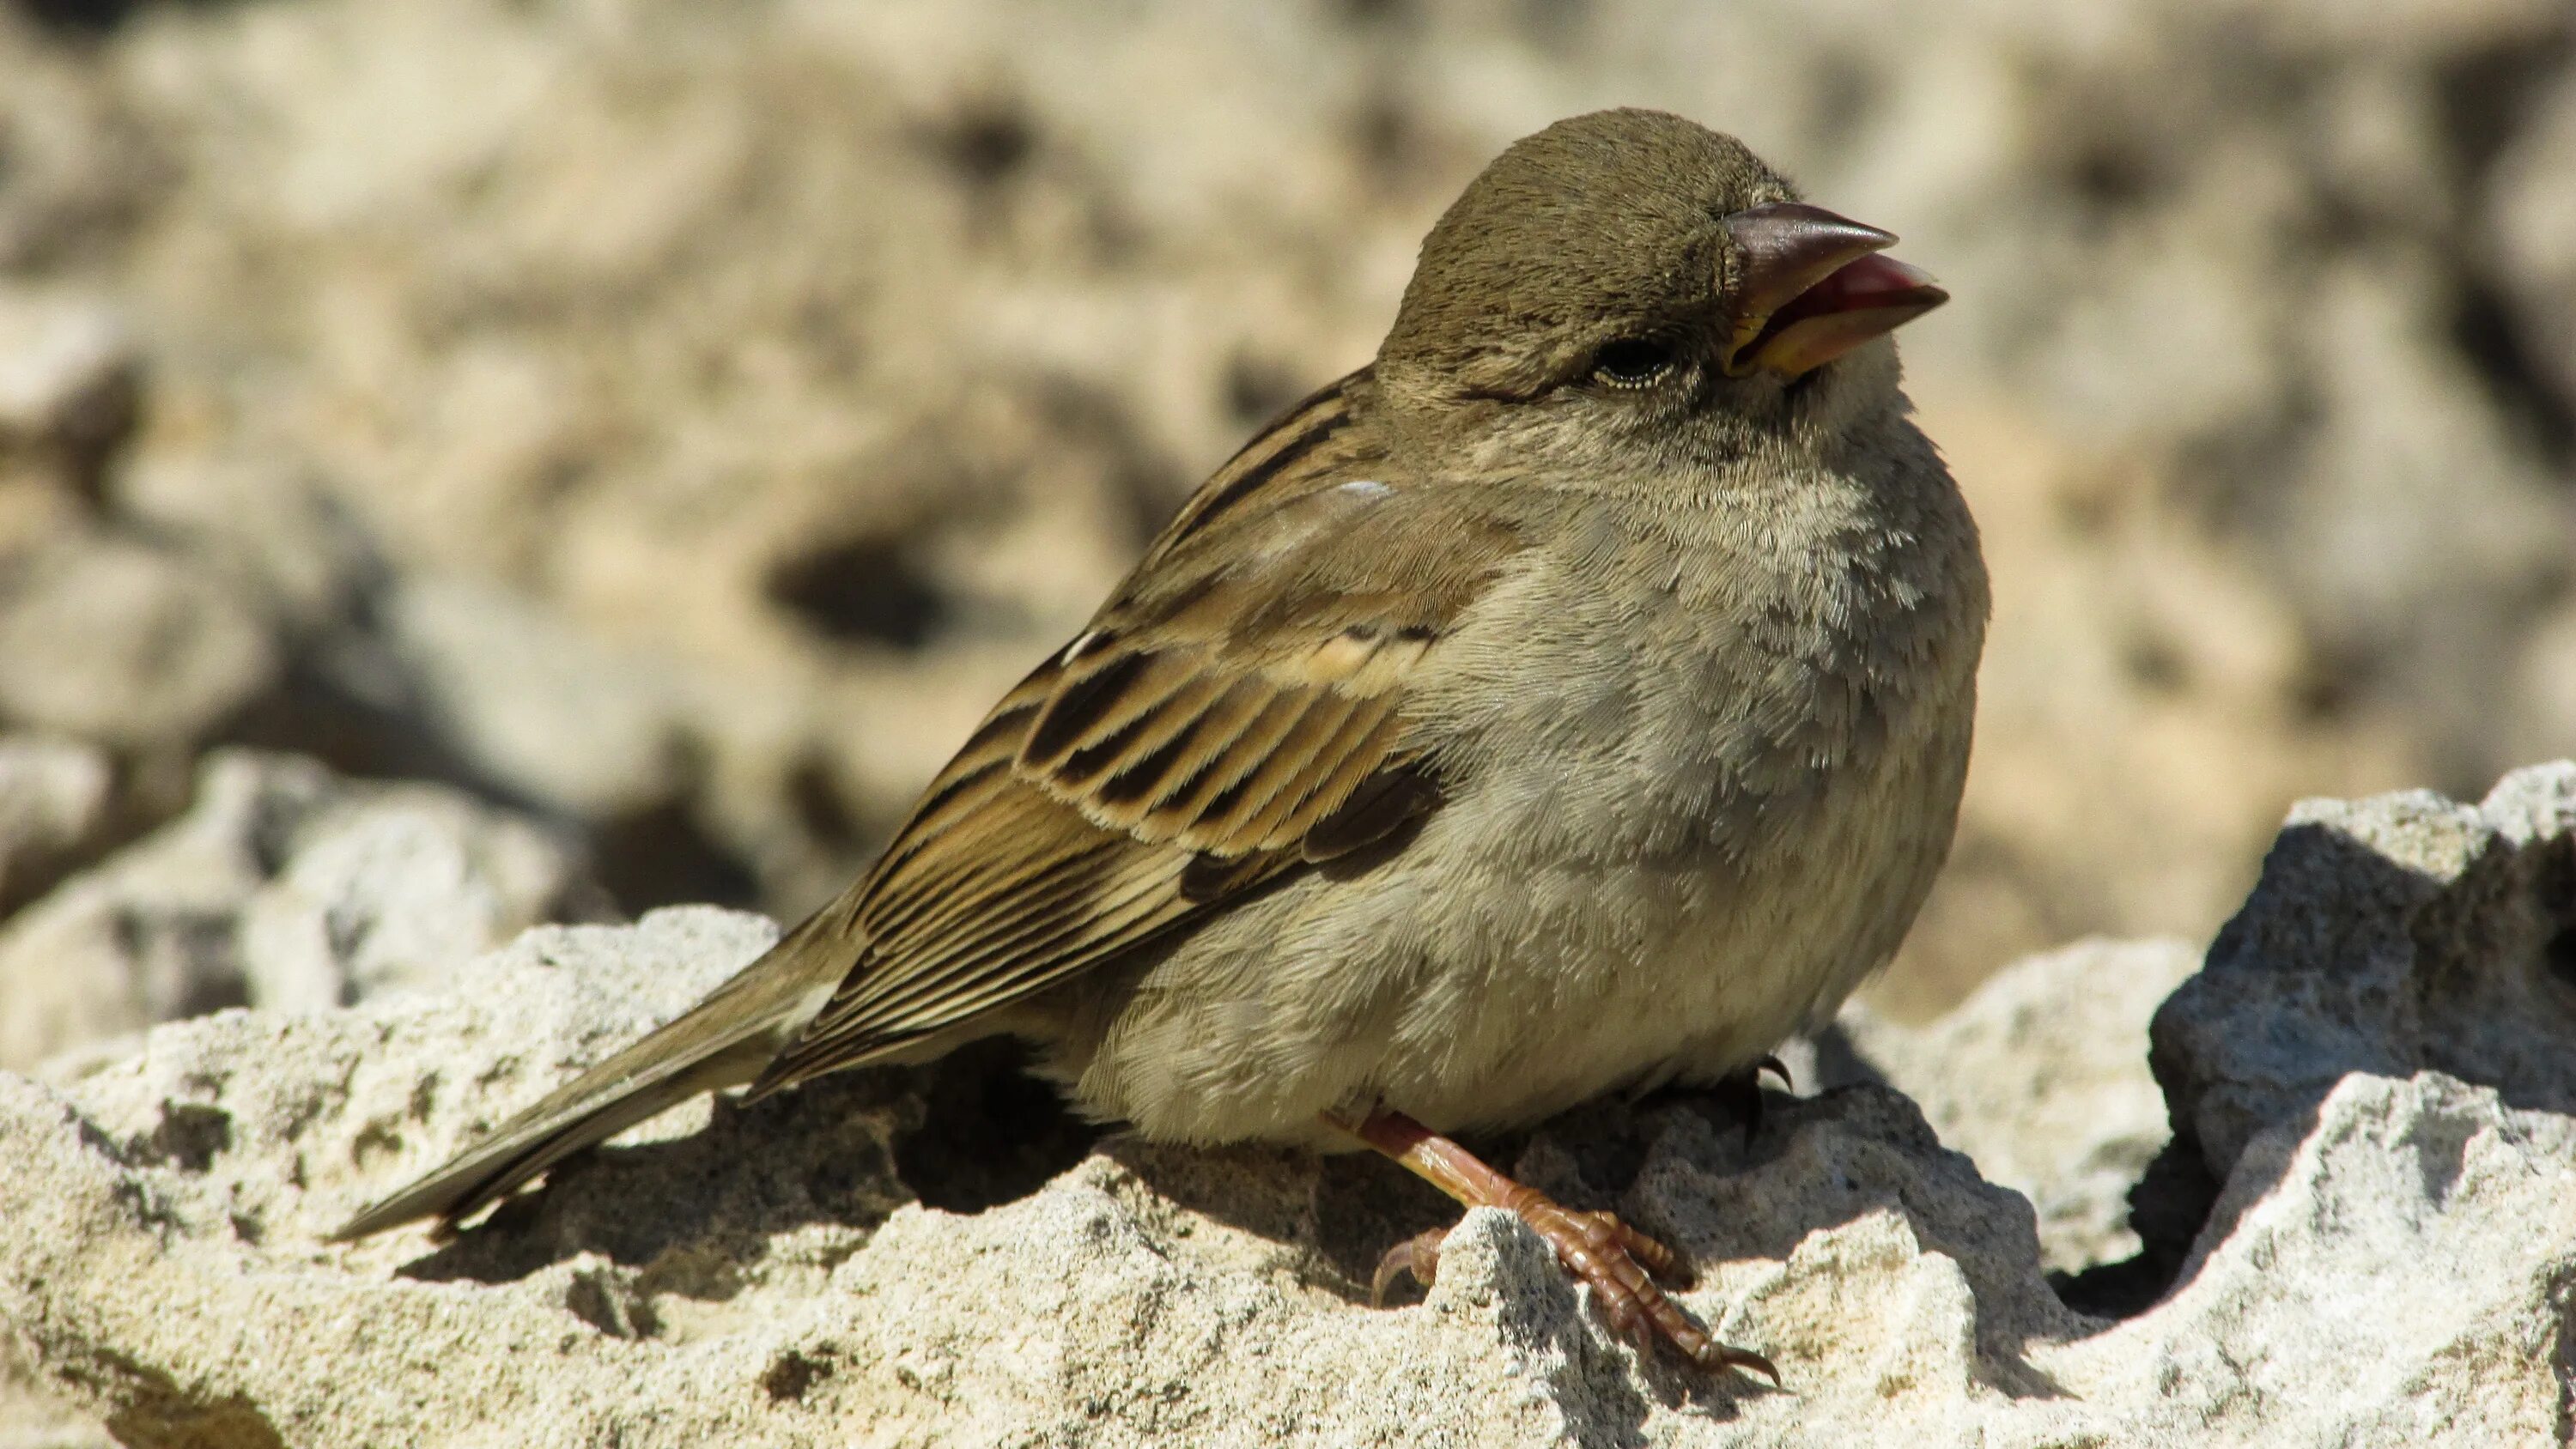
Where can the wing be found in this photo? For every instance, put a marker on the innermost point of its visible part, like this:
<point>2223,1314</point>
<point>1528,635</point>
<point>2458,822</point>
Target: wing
<point>1235,712</point>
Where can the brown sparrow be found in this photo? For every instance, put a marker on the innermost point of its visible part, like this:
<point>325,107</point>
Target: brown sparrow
<point>1576,697</point>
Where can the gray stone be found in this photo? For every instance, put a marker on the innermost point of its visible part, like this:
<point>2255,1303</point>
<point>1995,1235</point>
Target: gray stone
<point>2532,225</point>
<point>534,706</point>
<point>2395,935</point>
<point>2391,1269</point>
<point>282,886</point>
<point>279,537</point>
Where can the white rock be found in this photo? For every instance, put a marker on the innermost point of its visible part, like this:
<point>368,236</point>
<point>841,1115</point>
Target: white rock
<point>2383,1262</point>
<point>2041,1078</point>
<point>2533,233</point>
<point>283,887</point>
<point>2393,935</point>
<point>2390,1271</point>
<point>536,706</point>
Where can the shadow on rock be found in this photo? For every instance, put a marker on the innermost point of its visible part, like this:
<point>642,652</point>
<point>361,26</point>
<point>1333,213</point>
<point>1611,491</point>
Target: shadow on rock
<point>2388,936</point>
<point>963,1134</point>
<point>820,1155</point>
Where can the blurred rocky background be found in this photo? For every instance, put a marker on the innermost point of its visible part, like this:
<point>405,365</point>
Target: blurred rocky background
<point>672,424</point>
<point>473,463</point>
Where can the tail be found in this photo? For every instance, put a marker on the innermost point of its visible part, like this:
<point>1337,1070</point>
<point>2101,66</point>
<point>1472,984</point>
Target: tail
<point>723,1041</point>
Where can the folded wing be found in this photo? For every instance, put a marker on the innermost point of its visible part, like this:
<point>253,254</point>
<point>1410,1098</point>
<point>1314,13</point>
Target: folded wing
<point>1236,711</point>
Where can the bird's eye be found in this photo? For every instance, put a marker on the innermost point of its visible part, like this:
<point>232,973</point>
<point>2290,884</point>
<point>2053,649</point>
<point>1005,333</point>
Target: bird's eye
<point>1632,362</point>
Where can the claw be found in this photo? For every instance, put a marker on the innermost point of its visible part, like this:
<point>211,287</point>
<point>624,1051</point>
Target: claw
<point>1742,1096</point>
<point>1744,1358</point>
<point>1746,1090</point>
<point>1418,1255</point>
<point>1777,1068</point>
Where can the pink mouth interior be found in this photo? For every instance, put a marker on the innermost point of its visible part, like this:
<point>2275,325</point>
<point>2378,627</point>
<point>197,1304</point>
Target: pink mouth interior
<point>1872,281</point>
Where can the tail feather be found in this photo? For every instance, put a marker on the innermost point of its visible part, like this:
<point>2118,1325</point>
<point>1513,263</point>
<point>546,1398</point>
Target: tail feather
<point>723,1041</point>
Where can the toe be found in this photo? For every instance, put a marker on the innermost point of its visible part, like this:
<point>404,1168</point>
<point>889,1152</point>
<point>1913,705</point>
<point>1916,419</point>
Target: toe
<point>1418,1255</point>
<point>1650,1253</point>
<point>1616,1260</point>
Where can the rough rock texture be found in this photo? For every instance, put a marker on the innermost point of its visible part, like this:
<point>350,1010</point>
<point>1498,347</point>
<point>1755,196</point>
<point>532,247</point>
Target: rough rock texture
<point>779,380</point>
<point>2041,1077</point>
<point>282,887</point>
<point>33,1416</point>
<point>2388,1259</point>
<point>2398,935</point>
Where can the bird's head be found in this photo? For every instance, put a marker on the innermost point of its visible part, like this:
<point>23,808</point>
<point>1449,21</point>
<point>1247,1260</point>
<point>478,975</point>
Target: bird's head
<point>1630,278</point>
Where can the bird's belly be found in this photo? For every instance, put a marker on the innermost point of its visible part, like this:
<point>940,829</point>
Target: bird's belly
<point>1535,946</point>
<point>1688,966</point>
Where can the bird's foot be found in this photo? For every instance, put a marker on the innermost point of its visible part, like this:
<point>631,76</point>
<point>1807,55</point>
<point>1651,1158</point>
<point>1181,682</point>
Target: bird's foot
<point>1619,1262</point>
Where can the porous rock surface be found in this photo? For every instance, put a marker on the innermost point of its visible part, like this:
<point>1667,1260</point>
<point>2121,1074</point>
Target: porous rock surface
<point>2041,1078</point>
<point>2395,935</point>
<point>2363,1070</point>
<point>282,886</point>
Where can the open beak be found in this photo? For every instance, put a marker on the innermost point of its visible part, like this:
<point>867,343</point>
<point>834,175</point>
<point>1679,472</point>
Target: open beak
<point>1814,287</point>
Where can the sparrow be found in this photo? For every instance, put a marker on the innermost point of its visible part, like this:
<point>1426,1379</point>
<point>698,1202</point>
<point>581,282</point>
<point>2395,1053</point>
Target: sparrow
<point>1575,698</point>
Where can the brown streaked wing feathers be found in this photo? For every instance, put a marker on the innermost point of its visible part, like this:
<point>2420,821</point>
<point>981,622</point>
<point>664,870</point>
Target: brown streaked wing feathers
<point>1242,689</point>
